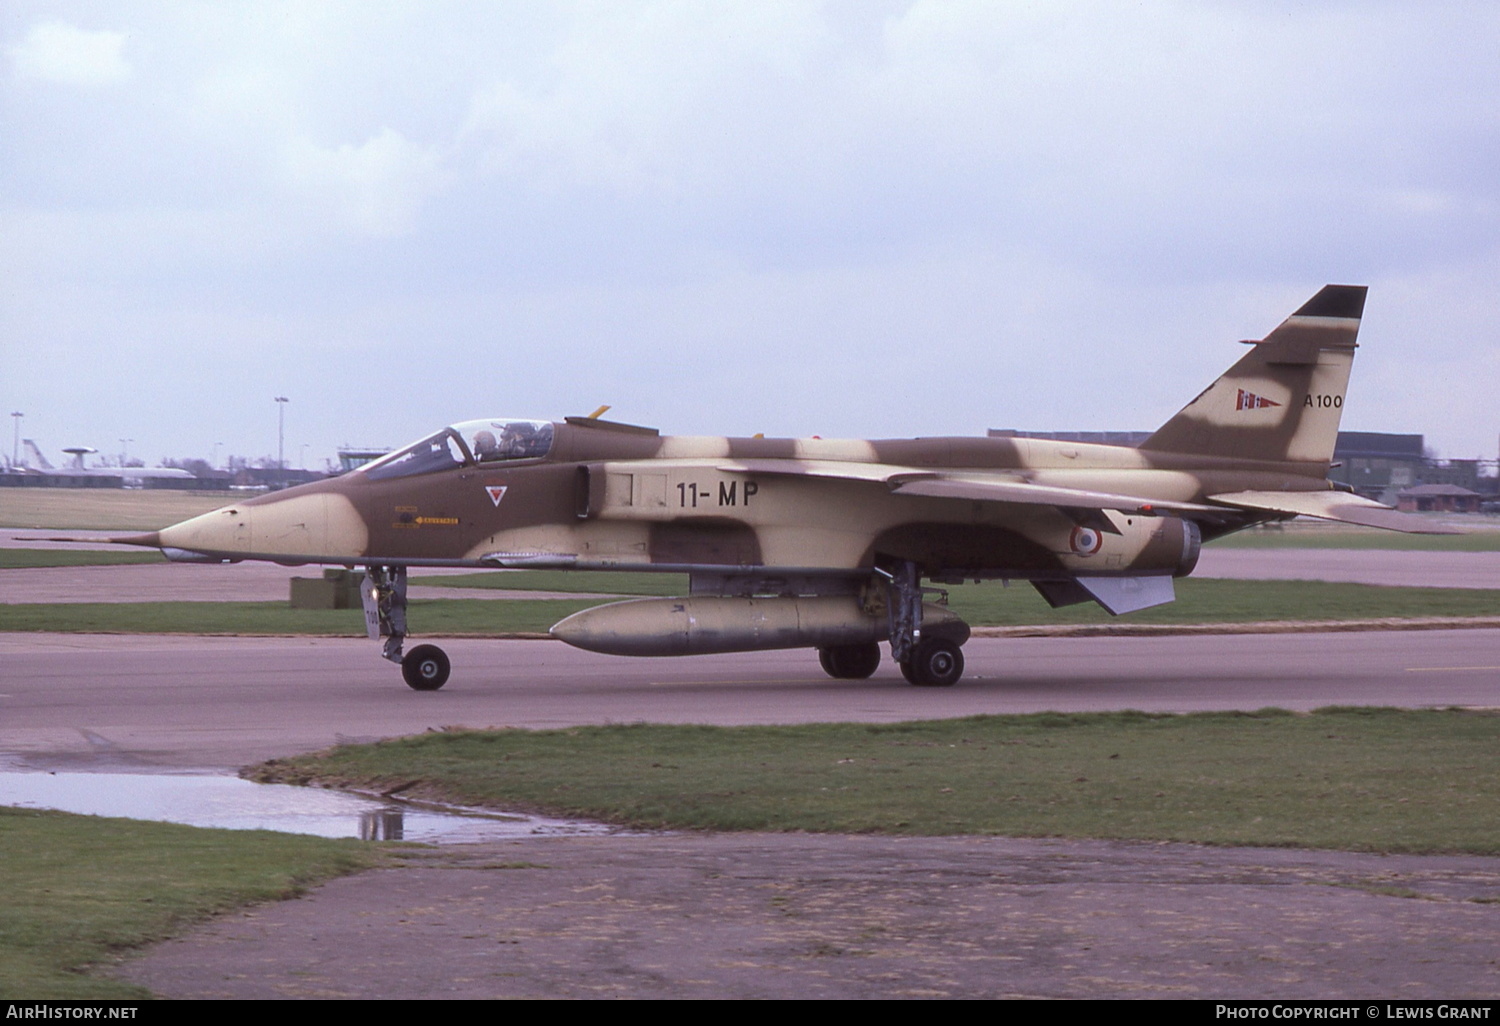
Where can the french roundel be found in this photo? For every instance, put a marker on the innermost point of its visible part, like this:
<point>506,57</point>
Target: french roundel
<point>1086,541</point>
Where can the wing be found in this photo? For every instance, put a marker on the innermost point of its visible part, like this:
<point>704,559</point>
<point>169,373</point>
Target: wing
<point>980,487</point>
<point>1343,507</point>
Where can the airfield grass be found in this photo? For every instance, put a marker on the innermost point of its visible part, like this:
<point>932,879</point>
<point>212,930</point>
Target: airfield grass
<point>1209,600</point>
<point>428,618</point>
<point>27,559</point>
<point>80,890</point>
<point>1206,601</point>
<point>1354,779</point>
<point>1482,535</point>
<point>104,509</point>
<point>625,582</point>
<point>83,890</point>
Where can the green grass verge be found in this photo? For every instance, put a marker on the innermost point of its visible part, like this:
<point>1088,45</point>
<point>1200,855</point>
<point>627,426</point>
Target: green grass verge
<point>105,509</point>
<point>1199,601</point>
<point>1359,538</point>
<point>1209,600</point>
<point>1353,779</point>
<point>428,617</point>
<point>598,582</point>
<point>79,890</point>
<point>26,559</point>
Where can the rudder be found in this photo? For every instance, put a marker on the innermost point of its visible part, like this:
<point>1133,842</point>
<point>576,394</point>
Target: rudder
<point>1283,400</point>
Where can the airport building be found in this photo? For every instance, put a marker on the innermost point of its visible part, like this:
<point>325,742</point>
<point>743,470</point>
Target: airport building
<point>1438,498</point>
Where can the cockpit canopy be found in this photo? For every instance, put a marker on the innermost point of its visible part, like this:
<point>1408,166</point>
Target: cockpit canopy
<point>473,441</point>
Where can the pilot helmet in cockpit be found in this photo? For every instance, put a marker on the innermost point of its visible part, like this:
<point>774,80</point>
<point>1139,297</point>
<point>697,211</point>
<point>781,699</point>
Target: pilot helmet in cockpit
<point>485,445</point>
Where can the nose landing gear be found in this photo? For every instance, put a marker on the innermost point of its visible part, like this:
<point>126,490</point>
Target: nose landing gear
<point>424,668</point>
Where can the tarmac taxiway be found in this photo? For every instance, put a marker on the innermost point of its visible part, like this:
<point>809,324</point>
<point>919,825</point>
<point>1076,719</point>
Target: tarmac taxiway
<point>111,701</point>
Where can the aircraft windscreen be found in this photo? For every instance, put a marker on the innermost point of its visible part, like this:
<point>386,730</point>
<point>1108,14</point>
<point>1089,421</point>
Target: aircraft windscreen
<point>442,451</point>
<point>482,441</point>
<point>492,440</point>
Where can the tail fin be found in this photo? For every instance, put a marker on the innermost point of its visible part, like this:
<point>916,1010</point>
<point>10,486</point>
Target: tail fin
<point>1282,401</point>
<point>36,454</point>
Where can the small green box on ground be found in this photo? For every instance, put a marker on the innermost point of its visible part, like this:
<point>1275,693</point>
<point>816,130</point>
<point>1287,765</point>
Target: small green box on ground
<point>336,589</point>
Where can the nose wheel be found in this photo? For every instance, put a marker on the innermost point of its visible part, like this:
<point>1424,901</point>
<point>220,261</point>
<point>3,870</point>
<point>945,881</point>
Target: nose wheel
<point>425,668</point>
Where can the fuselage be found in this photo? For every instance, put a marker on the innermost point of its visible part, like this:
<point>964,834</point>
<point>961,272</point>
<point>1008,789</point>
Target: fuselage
<point>607,496</point>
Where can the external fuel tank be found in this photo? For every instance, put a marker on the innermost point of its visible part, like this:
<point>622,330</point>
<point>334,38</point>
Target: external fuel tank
<point>708,624</point>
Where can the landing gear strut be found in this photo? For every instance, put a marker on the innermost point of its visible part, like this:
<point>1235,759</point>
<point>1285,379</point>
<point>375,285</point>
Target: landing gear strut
<point>424,668</point>
<point>932,660</point>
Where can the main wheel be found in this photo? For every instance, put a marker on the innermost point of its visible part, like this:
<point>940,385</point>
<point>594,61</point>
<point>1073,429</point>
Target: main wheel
<point>937,663</point>
<point>425,668</point>
<point>850,662</point>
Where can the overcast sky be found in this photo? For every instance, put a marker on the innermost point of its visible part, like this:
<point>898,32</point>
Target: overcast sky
<point>846,219</point>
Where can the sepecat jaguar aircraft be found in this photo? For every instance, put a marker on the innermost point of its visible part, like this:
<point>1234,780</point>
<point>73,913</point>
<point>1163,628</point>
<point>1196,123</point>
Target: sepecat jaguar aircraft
<point>822,543</point>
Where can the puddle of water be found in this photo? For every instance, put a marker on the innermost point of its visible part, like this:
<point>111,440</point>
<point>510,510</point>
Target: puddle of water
<point>235,804</point>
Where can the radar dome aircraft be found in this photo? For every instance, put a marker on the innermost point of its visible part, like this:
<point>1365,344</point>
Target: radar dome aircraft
<point>819,543</point>
<point>131,476</point>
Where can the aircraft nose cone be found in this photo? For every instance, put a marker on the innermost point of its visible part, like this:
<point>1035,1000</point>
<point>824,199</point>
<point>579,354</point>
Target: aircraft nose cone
<point>224,530</point>
<point>305,526</point>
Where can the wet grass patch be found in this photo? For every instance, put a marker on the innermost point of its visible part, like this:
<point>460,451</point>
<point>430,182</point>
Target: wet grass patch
<point>1353,779</point>
<point>81,890</point>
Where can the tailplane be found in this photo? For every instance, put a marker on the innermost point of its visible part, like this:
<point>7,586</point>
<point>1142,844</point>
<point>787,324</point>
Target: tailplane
<point>1282,401</point>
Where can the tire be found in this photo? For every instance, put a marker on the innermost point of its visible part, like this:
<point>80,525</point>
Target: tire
<point>937,663</point>
<point>850,662</point>
<point>425,668</point>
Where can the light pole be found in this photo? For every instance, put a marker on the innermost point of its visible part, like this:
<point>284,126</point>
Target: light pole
<point>15,452</point>
<point>281,402</point>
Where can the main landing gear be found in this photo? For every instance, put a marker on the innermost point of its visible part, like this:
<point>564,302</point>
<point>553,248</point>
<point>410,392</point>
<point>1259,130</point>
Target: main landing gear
<point>931,658</point>
<point>934,663</point>
<point>850,662</point>
<point>424,668</point>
